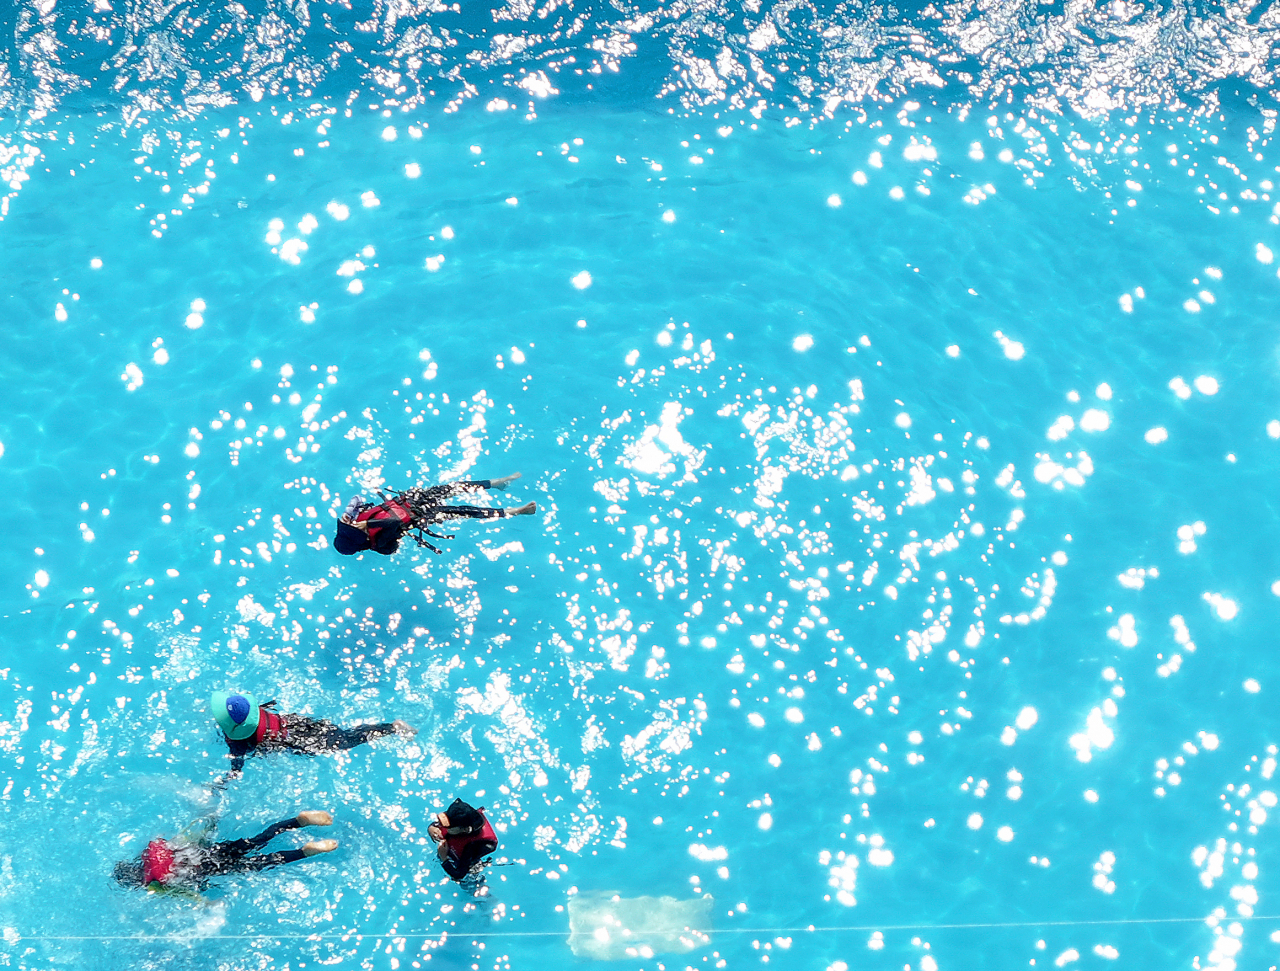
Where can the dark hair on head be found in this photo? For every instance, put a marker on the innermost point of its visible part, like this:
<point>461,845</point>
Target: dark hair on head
<point>128,873</point>
<point>349,540</point>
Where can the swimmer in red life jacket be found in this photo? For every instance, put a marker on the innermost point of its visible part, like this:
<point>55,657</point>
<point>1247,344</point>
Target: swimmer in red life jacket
<point>465,837</point>
<point>186,864</point>
<point>250,727</point>
<point>380,526</point>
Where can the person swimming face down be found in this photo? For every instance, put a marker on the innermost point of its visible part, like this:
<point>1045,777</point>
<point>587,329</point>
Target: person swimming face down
<point>185,866</point>
<point>380,526</point>
<point>248,727</point>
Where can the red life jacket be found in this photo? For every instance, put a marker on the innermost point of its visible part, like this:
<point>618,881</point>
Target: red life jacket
<point>389,514</point>
<point>157,862</point>
<point>457,845</point>
<point>271,728</point>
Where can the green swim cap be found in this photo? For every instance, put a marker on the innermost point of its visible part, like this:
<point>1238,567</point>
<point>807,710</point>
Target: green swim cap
<point>236,712</point>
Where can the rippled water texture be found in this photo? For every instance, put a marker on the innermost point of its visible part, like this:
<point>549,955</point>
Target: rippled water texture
<point>150,58</point>
<point>898,392</point>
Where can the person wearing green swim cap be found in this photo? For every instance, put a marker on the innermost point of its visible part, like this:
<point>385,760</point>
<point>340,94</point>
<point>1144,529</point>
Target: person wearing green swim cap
<point>249,727</point>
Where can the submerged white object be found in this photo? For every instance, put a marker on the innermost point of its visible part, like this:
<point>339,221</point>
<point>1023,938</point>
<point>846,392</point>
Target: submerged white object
<point>609,927</point>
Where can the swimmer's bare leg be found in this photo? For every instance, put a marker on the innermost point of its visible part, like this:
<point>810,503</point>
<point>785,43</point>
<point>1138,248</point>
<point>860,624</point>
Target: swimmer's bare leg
<point>402,727</point>
<point>320,846</point>
<point>528,509</point>
<point>504,481</point>
<point>314,817</point>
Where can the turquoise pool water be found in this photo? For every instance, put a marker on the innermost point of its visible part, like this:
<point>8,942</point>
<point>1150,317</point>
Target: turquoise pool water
<point>903,579</point>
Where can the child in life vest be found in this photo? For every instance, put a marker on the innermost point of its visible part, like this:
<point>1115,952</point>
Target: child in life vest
<point>380,526</point>
<point>249,727</point>
<point>465,837</point>
<point>185,864</point>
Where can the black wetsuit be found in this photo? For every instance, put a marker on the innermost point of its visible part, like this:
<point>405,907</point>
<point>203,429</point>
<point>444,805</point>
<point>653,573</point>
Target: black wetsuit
<point>233,856</point>
<point>310,736</point>
<point>431,499</point>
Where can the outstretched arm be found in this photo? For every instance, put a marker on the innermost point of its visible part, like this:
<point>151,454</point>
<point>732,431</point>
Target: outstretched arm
<point>220,784</point>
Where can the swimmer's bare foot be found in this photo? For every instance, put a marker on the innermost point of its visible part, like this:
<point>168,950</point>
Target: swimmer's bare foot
<point>504,481</point>
<point>528,509</point>
<point>314,817</point>
<point>320,846</point>
<point>402,727</point>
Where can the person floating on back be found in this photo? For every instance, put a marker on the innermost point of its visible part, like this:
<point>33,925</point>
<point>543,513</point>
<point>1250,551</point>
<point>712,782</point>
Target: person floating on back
<point>465,837</point>
<point>380,526</point>
<point>249,727</point>
<point>186,864</point>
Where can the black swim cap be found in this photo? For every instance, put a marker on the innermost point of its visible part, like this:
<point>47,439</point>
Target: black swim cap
<point>349,540</point>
